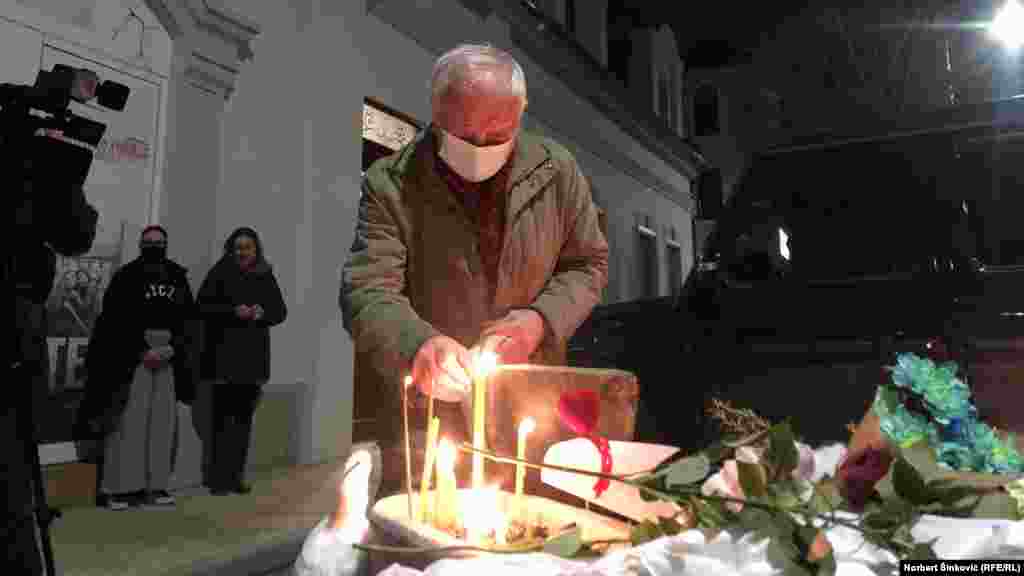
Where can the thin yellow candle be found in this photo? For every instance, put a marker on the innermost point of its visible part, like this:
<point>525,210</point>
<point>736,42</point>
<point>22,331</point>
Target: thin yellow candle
<point>428,467</point>
<point>445,496</point>
<point>484,364</point>
<point>406,384</point>
<point>525,428</point>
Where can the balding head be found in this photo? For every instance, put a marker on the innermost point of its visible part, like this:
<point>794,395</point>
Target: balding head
<point>478,93</point>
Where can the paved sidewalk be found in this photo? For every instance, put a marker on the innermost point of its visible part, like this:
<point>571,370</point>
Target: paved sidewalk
<point>259,533</point>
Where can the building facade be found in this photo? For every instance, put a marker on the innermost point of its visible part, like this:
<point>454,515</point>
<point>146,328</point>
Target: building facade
<point>266,111</point>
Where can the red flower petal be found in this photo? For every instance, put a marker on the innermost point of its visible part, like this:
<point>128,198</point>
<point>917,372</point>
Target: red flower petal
<point>579,411</point>
<point>858,475</point>
<point>606,464</point>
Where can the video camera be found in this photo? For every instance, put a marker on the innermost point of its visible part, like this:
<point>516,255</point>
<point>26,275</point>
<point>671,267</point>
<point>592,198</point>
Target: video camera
<point>26,110</point>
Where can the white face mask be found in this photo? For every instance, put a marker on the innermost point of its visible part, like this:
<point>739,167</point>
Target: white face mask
<point>474,163</point>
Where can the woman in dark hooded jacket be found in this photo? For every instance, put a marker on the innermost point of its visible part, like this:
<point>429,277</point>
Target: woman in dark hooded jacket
<point>238,301</point>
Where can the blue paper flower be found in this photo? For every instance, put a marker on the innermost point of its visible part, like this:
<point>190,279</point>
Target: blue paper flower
<point>928,402</point>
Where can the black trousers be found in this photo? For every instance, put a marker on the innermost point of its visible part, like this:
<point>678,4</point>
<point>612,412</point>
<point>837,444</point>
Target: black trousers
<point>233,408</point>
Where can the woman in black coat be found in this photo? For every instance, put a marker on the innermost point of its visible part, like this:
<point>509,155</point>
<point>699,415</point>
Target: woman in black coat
<point>239,301</point>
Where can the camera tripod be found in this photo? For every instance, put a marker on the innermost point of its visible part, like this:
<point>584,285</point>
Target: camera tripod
<point>42,514</point>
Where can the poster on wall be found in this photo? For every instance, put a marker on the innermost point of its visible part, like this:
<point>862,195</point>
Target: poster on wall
<point>77,295</point>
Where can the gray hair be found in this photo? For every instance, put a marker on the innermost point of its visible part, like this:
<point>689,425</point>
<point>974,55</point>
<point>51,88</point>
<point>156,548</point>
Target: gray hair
<point>468,64</point>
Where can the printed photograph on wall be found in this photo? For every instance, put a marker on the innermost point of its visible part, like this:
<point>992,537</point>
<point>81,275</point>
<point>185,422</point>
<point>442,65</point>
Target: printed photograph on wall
<point>77,294</point>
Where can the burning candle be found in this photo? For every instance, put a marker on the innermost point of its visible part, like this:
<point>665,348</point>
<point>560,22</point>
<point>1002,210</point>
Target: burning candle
<point>484,364</point>
<point>406,384</point>
<point>483,516</point>
<point>525,427</point>
<point>445,496</point>
<point>428,466</point>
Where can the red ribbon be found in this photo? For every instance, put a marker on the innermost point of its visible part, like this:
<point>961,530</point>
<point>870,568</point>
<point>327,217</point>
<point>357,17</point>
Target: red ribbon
<point>579,410</point>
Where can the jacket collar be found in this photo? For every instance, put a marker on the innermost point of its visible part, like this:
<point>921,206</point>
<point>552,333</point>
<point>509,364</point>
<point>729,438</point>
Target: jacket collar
<point>532,168</point>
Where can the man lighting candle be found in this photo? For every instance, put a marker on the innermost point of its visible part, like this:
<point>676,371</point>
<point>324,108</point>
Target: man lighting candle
<point>475,234</point>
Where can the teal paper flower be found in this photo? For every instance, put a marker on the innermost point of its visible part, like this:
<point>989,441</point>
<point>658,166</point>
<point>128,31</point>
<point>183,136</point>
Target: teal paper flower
<point>928,402</point>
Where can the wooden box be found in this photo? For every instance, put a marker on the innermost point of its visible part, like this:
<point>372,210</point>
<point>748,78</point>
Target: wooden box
<point>520,391</point>
<point>70,485</point>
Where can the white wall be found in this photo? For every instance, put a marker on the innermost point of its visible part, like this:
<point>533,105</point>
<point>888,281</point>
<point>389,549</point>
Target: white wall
<point>291,155</point>
<point>89,25</point>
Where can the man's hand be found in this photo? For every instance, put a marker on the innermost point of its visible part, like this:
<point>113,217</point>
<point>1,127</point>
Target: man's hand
<point>515,337</point>
<point>153,360</point>
<point>444,365</point>
<point>244,312</point>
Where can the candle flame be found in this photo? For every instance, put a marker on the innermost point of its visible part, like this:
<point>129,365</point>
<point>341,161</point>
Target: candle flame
<point>407,381</point>
<point>485,362</point>
<point>527,426</point>
<point>482,515</point>
<point>446,454</point>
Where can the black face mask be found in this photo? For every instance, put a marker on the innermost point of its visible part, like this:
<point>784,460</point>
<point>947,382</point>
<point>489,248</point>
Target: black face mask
<point>153,253</point>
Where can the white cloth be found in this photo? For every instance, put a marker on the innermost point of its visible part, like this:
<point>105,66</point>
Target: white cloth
<point>689,554</point>
<point>329,552</point>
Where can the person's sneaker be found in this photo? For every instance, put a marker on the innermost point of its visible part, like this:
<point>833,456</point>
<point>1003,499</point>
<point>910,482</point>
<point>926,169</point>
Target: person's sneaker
<point>161,498</point>
<point>117,502</point>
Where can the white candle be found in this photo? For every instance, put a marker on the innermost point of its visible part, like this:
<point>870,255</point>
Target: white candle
<point>428,466</point>
<point>525,428</point>
<point>446,506</point>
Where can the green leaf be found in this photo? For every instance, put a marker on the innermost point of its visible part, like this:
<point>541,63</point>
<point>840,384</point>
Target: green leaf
<point>645,531</point>
<point>717,452</point>
<point>784,493</point>
<point>922,457</point>
<point>767,524</point>
<point>923,551</point>
<point>909,483</point>
<point>782,455</point>
<point>753,479</point>
<point>885,518</point>
<point>947,493</point>
<point>711,515</point>
<point>689,470</point>
<point>566,545</point>
<point>652,481</point>
<point>996,505</point>
<point>668,526</point>
<point>826,498</point>
<point>783,554</point>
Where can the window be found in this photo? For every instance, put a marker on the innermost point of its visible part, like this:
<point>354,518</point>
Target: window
<point>570,16</point>
<point>663,98</point>
<point>646,259</point>
<point>673,105</point>
<point>674,263</point>
<point>705,111</point>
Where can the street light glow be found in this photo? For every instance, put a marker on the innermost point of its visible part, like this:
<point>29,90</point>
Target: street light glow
<point>1008,25</point>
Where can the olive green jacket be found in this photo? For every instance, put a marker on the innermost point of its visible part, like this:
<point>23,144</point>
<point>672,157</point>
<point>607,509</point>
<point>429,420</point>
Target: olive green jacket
<point>414,270</point>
